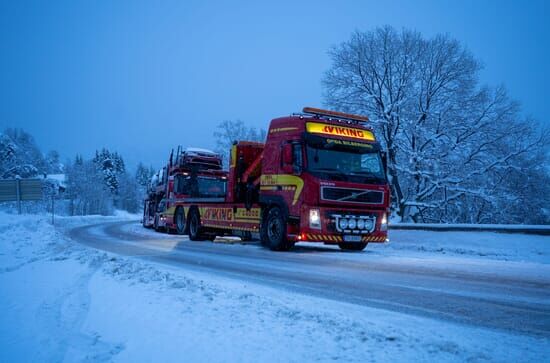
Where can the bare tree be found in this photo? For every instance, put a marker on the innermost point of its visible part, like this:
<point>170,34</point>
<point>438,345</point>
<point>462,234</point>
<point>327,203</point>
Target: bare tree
<point>448,138</point>
<point>229,131</point>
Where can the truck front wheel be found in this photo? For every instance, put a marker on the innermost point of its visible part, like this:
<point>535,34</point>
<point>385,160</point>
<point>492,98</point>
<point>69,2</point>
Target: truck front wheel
<point>156,226</point>
<point>180,220</point>
<point>194,226</point>
<point>352,246</point>
<point>195,229</point>
<point>273,231</point>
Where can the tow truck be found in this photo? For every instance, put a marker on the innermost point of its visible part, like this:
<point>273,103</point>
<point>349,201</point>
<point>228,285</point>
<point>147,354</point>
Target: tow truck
<point>320,176</point>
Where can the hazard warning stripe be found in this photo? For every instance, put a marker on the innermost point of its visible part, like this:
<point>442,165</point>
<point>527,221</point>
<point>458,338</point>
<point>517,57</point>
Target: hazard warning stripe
<point>374,239</point>
<point>335,238</point>
<point>323,237</point>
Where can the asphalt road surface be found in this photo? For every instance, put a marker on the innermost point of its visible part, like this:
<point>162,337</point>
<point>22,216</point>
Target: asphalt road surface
<point>488,299</point>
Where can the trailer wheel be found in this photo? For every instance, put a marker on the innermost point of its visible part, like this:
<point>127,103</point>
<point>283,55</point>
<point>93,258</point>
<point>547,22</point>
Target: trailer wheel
<point>145,214</point>
<point>195,230</point>
<point>180,220</point>
<point>273,231</point>
<point>352,246</point>
<point>156,224</point>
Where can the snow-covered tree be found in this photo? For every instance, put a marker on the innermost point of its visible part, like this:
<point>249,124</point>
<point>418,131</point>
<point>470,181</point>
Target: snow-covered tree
<point>86,189</point>
<point>111,166</point>
<point>142,179</point>
<point>19,155</point>
<point>99,185</point>
<point>129,194</point>
<point>453,145</point>
<point>53,164</point>
<point>143,175</point>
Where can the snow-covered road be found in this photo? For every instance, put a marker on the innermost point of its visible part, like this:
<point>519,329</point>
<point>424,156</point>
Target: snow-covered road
<point>141,296</point>
<point>500,292</point>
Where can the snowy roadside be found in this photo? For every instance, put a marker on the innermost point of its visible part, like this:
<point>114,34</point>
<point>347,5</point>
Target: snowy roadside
<point>64,302</point>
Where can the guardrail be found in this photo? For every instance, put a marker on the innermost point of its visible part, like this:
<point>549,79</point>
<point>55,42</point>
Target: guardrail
<point>501,228</point>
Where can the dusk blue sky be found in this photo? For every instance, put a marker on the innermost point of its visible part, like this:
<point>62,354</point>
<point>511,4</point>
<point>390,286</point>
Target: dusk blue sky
<point>140,77</point>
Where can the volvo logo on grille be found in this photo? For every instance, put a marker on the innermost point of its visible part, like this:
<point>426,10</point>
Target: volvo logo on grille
<point>350,195</point>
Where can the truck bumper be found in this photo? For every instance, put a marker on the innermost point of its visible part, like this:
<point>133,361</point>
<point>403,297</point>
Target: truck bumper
<point>338,238</point>
<point>329,234</point>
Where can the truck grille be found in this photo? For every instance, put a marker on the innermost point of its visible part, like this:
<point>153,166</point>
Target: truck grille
<point>352,195</point>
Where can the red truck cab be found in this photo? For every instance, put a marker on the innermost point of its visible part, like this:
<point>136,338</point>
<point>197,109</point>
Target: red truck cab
<point>319,177</point>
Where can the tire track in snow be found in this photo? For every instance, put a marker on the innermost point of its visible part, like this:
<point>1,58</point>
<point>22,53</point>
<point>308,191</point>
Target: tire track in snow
<point>510,304</point>
<point>66,315</point>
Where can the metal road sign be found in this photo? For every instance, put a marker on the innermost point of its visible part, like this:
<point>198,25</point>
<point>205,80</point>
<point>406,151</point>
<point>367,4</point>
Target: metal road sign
<point>17,190</point>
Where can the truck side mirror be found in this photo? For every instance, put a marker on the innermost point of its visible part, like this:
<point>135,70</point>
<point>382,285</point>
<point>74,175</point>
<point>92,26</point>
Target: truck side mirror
<point>287,154</point>
<point>286,158</point>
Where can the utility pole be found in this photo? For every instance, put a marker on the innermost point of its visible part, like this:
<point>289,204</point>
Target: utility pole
<point>446,204</point>
<point>18,193</point>
<point>53,206</point>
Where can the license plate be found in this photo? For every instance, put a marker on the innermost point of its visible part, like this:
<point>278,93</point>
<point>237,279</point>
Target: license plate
<point>352,238</point>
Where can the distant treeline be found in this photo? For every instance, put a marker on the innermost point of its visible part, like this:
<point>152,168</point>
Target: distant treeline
<point>95,186</point>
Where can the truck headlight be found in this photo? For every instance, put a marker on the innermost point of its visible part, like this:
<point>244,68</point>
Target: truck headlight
<point>352,223</point>
<point>384,222</point>
<point>343,223</point>
<point>361,223</point>
<point>314,219</point>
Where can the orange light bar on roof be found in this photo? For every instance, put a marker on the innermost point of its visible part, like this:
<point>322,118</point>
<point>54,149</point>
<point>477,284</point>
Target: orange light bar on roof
<point>335,114</point>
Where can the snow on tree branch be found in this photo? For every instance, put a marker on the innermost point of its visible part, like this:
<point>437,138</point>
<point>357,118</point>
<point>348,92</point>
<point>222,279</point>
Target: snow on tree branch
<point>457,150</point>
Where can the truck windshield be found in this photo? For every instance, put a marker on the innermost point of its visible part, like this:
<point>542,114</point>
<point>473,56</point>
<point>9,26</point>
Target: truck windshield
<point>211,188</point>
<point>356,165</point>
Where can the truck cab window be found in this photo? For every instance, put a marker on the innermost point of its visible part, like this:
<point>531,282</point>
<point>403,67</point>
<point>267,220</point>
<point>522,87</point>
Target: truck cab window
<point>181,187</point>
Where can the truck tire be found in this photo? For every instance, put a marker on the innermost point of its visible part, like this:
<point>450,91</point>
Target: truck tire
<point>350,246</point>
<point>195,229</point>
<point>273,231</point>
<point>156,224</point>
<point>145,215</point>
<point>181,222</point>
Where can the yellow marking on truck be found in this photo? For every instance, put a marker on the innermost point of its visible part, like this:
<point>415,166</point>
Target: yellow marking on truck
<point>335,130</point>
<point>217,214</point>
<point>170,211</point>
<point>225,214</point>
<point>233,156</point>
<point>349,143</point>
<point>282,129</point>
<point>323,237</point>
<point>250,214</point>
<point>271,180</point>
